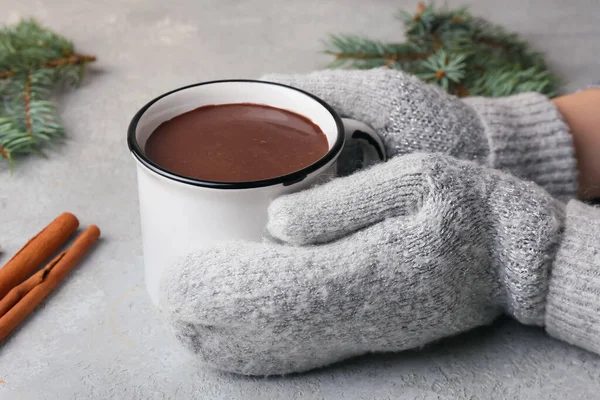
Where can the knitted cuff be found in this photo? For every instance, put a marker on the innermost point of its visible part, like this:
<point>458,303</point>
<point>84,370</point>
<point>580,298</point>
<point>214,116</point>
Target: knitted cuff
<point>528,138</point>
<point>573,300</point>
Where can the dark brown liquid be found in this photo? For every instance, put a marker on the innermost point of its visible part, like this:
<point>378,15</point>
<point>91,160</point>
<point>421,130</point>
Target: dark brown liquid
<point>236,143</point>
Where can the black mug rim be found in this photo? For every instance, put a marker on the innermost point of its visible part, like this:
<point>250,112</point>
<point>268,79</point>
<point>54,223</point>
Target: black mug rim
<point>286,180</point>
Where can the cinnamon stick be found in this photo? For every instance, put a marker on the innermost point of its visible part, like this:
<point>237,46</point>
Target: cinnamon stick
<point>36,250</point>
<point>18,292</point>
<point>50,276</point>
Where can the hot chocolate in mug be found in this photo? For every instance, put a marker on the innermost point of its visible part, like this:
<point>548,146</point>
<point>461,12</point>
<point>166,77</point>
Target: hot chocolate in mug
<point>178,213</point>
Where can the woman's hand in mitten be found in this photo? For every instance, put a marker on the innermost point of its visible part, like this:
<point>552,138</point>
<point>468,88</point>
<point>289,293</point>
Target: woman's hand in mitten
<point>522,134</point>
<point>388,259</point>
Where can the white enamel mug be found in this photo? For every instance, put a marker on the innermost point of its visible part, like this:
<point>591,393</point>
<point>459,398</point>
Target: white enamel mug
<point>179,213</point>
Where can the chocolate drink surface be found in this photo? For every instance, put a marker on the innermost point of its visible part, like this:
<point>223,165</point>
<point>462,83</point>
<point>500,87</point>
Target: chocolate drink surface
<point>236,143</point>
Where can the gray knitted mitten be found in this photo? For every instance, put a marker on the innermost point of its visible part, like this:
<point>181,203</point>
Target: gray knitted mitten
<point>391,258</point>
<point>523,134</point>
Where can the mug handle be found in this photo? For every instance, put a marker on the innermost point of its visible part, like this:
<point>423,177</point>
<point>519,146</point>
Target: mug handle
<point>374,151</point>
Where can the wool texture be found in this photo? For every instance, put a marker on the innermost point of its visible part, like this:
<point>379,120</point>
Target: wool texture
<point>523,134</point>
<point>391,258</point>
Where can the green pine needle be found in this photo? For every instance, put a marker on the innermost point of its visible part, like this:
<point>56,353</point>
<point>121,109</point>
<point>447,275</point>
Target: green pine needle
<point>463,54</point>
<point>33,62</point>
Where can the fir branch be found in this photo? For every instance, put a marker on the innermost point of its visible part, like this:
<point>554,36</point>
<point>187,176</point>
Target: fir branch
<point>4,153</point>
<point>386,56</point>
<point>463,54</point>
<point>33,61</point>
<point>27,99</point>
<point>357,52</point>
<point>73,59</point>
<point>461,90</point>
<point>446,70</point>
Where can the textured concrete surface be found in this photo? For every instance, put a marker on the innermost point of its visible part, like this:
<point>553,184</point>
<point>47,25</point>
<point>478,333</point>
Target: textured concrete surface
<point>98,337</point>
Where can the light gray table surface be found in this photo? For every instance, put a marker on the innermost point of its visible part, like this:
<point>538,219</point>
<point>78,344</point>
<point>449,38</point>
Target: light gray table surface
<point>98,337</point>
